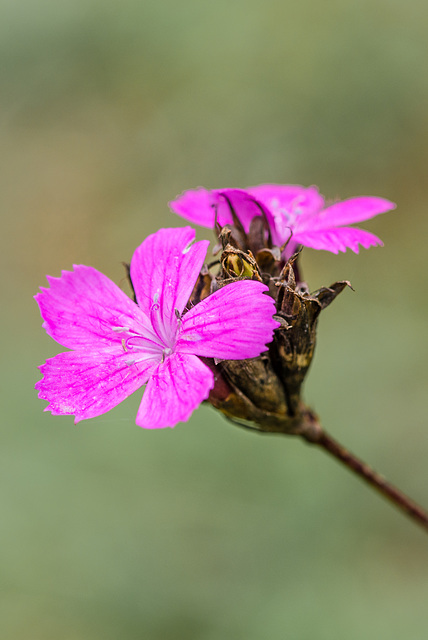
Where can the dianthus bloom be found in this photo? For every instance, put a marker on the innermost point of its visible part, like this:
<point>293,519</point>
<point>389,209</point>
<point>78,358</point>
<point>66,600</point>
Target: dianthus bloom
<point>293,213</point>
<point>119,345</point>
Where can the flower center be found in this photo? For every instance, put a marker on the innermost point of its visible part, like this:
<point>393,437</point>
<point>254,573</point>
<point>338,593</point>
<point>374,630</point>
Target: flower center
<point>156,341</point>
<point>286,216</point>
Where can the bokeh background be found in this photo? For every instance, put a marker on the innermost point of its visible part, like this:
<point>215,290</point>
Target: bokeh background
<point>205,532</point>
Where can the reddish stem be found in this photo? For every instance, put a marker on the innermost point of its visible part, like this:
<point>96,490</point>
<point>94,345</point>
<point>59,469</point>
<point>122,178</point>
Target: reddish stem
<point>366,473</point>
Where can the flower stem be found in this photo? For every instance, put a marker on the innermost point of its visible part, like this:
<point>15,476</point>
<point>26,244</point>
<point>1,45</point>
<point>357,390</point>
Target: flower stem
<point>366,473</point>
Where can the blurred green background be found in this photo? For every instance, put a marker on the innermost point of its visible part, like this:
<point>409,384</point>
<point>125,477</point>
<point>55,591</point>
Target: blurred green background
<point>109,110</point>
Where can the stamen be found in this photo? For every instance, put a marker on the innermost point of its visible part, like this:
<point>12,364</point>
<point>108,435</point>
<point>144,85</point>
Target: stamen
<point>165,353</point>
<point>157,324</point>
<point>188,247</point>
<point>141,343</point>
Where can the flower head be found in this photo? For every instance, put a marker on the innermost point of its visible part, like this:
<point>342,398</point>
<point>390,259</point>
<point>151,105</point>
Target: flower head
<point>118,345</point>
<point>292,212</point>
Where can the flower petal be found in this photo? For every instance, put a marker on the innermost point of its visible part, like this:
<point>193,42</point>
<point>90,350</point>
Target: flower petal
<point>233,323</point>
<point>88,383</point>
<point>286,196</point>
<point>177,386</point>
<point>164,270</point>
<point>196,205</point>
<point>83,308</point>
<point>243,204</point>
<point>346,212</point>
<point>339,239</point>
<point>205,207</point>
<point>289,204</point>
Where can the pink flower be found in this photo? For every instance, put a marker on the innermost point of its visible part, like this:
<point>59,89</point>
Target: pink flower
<point>119,345</point>
<point>291,210</point>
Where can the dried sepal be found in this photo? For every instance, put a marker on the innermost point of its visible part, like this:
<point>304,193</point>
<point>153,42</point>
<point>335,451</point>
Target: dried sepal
<point>202,288</point>
<point>265,392</point>
<point>236,264</point>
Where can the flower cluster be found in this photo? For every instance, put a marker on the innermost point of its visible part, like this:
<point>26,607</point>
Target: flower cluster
<point>192,336</point>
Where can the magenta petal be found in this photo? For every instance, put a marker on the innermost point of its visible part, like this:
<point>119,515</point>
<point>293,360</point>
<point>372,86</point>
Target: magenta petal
<point>244,205</point>
<point>285,196</point>
<point>290,205</point>
<point>84,309</point>
<point>339,239</point>
<point>346,212</point>
<point>233,323</point>
<point>205,207</point>
<point>177,386</point>
<point>164,270</point>
<point>196,205</point>
<point>89,383</point>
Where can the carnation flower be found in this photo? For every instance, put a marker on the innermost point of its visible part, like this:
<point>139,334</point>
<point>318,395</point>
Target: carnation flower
<point>119,345</point>
<point>293,213</point>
